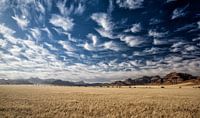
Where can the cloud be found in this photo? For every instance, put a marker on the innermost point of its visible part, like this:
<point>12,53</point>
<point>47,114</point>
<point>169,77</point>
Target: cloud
<point>191,48</point>
<point>88,53</point>
<point>154,50</point>
<point>93,38</point>
<point>185,27</point>
<point>40,7</point>
<point>89,47</point>
<point>4,4</point>
<point>64,10</point>
<point>25,56</point>
<point>67,46</point>
<point>159,41</point>
<point>178,44</point>
<point>65,23</point>
<point>179,12</point>
<point>103,20</point>
<point>73,8</point>
<point>198,23</point>
<point>6,31</point>
<point>21,21</point>
<point>36,33</point>
<point>110,7</point>
<point>155,34</point>
<point>111,46</point>
<point>107,26</point>
<point>106,34</point>
<point>49,34</point>
<point>80,9</point>
<point>130,4</point>
<point>135,28</point>
<point>51,47</point>
<point>132,41</point>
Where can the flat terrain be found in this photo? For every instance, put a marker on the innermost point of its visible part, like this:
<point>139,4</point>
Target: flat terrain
<point>95,102</point>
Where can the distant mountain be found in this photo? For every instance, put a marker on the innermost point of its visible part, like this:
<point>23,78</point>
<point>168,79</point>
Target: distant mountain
<point>38,81</point>
<point>138,81</point>
<point>17,81</point>
<point>171,78</point>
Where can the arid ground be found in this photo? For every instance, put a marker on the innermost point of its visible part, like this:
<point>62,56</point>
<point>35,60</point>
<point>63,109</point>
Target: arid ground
<point>99,102</point>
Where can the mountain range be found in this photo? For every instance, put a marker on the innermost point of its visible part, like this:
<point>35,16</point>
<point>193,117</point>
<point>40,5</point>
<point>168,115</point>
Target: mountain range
<point>171,78</point>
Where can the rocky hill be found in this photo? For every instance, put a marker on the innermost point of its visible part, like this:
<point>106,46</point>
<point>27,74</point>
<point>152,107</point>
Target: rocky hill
<point>171,78</point>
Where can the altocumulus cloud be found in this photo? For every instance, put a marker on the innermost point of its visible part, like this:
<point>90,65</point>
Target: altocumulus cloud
<point>72,40</point>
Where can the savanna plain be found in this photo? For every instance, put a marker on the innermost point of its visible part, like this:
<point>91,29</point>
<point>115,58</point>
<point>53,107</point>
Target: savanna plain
<point>99,102</point>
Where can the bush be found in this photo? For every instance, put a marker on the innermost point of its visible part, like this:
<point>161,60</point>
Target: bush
<point>162,87</point>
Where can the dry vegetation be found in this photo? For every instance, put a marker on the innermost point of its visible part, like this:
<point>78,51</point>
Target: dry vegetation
<point>53,101</point>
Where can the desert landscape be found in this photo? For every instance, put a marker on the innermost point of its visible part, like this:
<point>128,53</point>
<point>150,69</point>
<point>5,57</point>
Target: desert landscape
<point>99,102</point>
<point>99,58</point>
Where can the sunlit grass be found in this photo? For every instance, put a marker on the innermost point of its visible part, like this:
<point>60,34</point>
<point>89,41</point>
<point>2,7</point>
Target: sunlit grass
<point>125,102</point>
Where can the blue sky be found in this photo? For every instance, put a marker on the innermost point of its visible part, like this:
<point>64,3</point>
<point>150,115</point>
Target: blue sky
<point>98,40</point>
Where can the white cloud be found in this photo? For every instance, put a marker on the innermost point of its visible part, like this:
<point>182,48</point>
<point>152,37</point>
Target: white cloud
<point>49,34</point>
<point>185,27</point>
<point>111,46</point>
<point>25,56</point>
<point>65,23</point>
<point>51,47</point>
<point>63,9</point>
<point>36,33</point>
<point>198,23</point>
<point>130,4</point>
<point>106,34</point>
<point>155,34</point>
<point>132,41</point>
<point>40,7</point>
<point>110,7</point>
<point>103,20</point>
<point>67,45</point>
<point>3,5</point>
<point>93,38</point>
<point>178,44</point>
<point>107,26</point>
<point>88,47</point>
<point>191,48</point>
<point>136,28</point>
<point>153,50</point>
<point>4,30</point>
<point>179,12</point>
<point>80,9</point>
<point>159,41</point>
<point>21,21</point>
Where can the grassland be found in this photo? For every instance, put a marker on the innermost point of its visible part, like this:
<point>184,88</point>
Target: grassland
<point>94,102</point>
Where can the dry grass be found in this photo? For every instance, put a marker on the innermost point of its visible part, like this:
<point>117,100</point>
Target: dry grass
<point>86,102</point>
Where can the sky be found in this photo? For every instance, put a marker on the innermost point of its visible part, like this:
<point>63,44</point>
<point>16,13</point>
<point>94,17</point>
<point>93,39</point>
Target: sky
<point>98,40</point>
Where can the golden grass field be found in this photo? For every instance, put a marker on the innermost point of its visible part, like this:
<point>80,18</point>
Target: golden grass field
<point>95,102</point>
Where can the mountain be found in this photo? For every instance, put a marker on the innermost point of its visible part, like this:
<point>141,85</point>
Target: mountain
<point>39,81</point>
<point>17,81</point>
<point>138,81</point>
<point>176,78</point>
<point>171,78</point>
